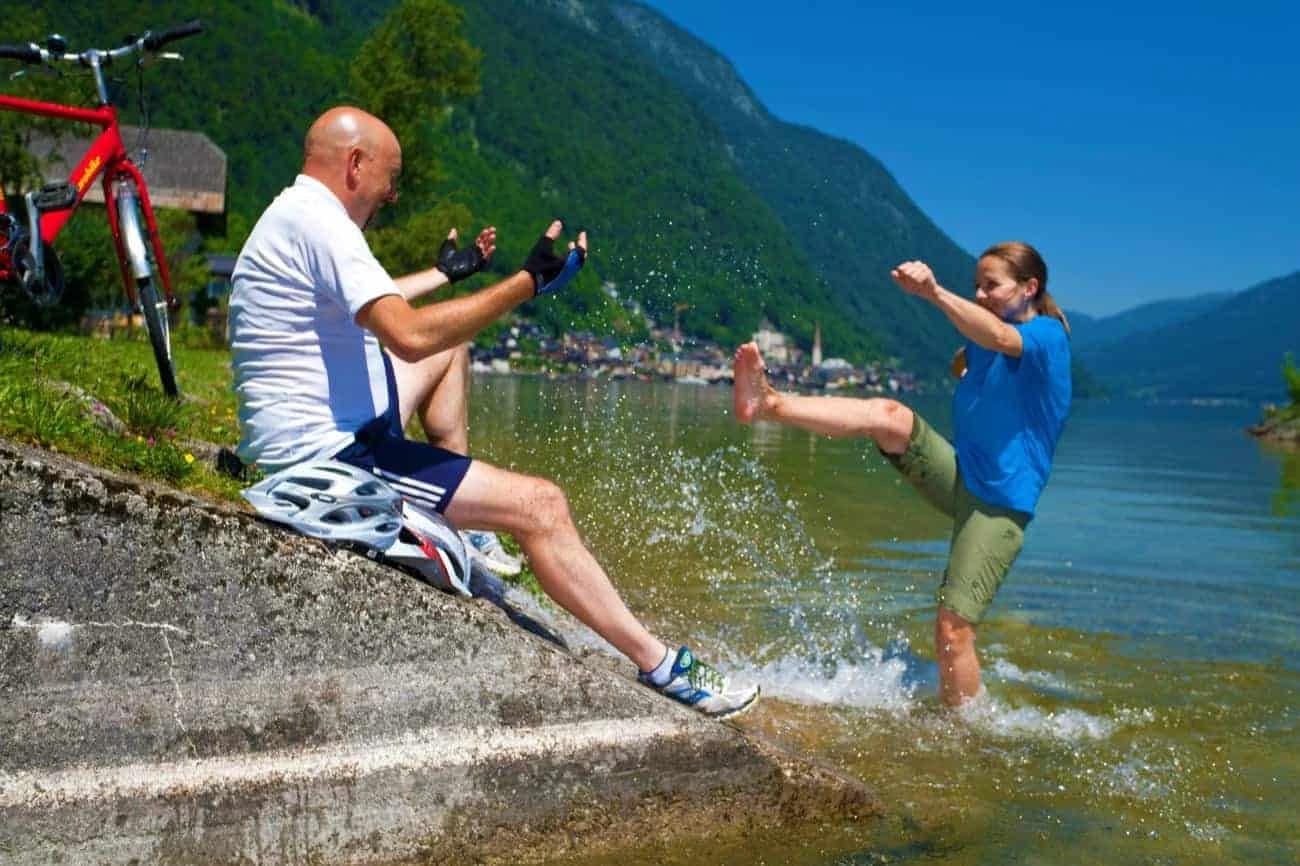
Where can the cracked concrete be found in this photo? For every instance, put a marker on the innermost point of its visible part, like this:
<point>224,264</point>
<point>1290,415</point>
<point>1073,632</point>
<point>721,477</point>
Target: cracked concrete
<point>182,683</point>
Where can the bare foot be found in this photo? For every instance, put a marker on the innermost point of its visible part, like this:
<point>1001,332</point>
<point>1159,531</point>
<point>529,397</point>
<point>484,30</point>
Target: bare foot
<point>751,393</point>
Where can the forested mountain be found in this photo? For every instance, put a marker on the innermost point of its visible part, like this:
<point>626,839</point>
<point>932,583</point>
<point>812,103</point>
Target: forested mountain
<point>569,122</point>
<point>711,203</point>
<point>699,201</point>
<point>1232,349</point>
<point>839,204</point>
<point>576,114</point>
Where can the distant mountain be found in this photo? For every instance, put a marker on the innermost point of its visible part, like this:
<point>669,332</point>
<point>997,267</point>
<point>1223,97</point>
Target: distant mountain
<point>700,201</point>
<point>839,204</point>
<point>1088,331</point>
<point>1232,347</point>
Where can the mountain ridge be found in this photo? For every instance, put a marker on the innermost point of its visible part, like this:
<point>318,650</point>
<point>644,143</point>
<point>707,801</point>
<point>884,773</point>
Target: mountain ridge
<point>702,204</point>
<point>1231,349</point>
<point>853,239</point>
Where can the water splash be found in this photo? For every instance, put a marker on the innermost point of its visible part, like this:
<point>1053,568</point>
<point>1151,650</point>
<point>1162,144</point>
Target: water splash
<point>996,718</point>
<point>747,581</point>
<point>873,683</point>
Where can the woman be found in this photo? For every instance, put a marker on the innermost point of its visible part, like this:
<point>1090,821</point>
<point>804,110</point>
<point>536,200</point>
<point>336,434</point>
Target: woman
<point>1008,412</point>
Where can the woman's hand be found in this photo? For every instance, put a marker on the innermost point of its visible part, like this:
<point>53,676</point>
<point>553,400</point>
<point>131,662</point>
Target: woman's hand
<point>916,278</point>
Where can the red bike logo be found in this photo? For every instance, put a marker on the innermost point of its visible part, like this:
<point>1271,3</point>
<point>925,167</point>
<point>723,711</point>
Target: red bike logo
<point>89,174</point>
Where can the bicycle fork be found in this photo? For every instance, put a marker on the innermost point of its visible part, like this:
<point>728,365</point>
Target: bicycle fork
<point>133,254</point>
<point>132,235</point>
<point>134,239</point>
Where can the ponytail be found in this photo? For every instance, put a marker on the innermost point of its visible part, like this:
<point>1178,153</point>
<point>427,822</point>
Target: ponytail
<point>1046,305</point>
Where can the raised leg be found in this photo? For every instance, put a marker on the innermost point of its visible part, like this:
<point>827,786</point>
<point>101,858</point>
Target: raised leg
<point>886,422</point>
<point>436,390</point>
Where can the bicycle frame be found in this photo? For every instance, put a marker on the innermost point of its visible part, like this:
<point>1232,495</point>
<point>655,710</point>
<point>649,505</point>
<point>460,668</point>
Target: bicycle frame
<point>107,157</point>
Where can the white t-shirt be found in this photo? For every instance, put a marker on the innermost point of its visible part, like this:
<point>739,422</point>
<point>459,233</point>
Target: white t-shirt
<point>306,374</point>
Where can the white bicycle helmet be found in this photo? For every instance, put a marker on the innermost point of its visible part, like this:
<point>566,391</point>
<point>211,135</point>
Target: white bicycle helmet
<point>333,501</point>
<point>337,502</point>
<point>431,548</point>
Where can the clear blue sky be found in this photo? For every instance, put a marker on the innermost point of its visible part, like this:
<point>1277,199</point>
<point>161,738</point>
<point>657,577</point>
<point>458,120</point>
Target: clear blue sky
<point>1149,150</point>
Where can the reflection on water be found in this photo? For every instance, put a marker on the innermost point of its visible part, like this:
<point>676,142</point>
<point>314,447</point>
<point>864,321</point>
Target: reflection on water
<point>1141,664</point>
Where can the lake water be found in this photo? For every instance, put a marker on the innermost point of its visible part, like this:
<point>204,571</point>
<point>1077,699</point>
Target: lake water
<point>1140,660</point>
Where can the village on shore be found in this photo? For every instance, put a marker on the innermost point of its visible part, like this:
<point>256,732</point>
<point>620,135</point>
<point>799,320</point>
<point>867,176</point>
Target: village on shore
<point>667,355</point>
<point>670,355</point>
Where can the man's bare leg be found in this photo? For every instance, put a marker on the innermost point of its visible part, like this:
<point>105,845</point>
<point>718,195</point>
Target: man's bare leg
<point>886,422</point>
<point>436,390</point>
<point>959,666</point>
<point>536,512</point>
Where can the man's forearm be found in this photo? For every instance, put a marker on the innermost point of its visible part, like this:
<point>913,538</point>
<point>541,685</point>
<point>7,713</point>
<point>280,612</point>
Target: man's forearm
<point>978,324</point>
<point>441,326</point>
<point>421,283</point>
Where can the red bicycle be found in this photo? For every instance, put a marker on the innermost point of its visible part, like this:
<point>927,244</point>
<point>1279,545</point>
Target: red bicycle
<point>27,255</point>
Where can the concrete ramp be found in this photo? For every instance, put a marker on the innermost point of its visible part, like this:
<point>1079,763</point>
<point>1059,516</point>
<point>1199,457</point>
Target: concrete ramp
<point>182,683</point>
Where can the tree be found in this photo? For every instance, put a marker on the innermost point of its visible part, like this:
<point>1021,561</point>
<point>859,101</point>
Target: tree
<point>1291,375</point>
<point>20,170</point>
<point>409,72</point>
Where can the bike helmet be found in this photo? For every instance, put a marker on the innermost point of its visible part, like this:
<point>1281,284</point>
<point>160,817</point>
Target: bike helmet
<point>333,501</point>
<point>431,548</point>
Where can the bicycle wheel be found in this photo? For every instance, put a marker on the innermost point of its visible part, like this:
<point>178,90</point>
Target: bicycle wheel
<point>155,322</point>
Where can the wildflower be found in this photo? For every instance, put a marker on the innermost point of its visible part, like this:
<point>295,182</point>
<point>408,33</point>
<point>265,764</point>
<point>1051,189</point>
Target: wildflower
<point>189,458</point>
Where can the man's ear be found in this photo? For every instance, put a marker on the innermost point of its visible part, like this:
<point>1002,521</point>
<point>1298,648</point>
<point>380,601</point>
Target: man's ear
<point>355,157</point>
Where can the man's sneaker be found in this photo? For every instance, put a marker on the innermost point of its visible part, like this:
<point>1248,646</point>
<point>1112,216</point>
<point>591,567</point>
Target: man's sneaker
<point>701,687</point>
<point>486,548</point>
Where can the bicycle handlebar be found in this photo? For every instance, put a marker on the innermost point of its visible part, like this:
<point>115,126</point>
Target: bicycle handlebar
<point>154,41</point>
<point>26,53</point>
<point>150,42</point>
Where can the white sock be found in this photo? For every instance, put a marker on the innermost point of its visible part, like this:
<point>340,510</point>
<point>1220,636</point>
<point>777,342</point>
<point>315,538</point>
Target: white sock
<point>664,672</point>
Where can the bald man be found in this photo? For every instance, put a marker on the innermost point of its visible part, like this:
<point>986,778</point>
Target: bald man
<point>330,360</point>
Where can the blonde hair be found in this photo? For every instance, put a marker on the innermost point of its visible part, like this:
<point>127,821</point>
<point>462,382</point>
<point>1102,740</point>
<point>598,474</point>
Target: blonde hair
<point>1026,263</point>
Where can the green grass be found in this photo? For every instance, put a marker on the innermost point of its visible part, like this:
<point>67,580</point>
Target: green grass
<point>118,377</point>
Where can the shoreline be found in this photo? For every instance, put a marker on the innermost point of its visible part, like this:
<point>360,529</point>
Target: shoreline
<point>1279,426</point>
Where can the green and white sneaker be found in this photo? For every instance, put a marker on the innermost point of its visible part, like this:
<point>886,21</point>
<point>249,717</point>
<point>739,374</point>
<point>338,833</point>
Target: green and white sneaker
<point>702,687</point>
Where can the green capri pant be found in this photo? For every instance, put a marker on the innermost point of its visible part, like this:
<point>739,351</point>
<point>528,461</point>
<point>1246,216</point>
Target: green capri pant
<point>985,538</point>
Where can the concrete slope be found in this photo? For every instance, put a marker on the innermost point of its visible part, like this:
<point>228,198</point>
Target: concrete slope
<point>182,683</point>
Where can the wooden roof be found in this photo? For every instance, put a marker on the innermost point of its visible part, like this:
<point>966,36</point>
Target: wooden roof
<point>184,169</point>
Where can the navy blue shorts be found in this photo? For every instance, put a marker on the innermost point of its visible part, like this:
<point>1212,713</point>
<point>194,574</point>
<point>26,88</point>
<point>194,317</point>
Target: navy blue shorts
<point>423,473</point>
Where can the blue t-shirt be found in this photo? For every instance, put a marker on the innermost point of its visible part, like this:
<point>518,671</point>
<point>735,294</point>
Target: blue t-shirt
<point>1009,412</point>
